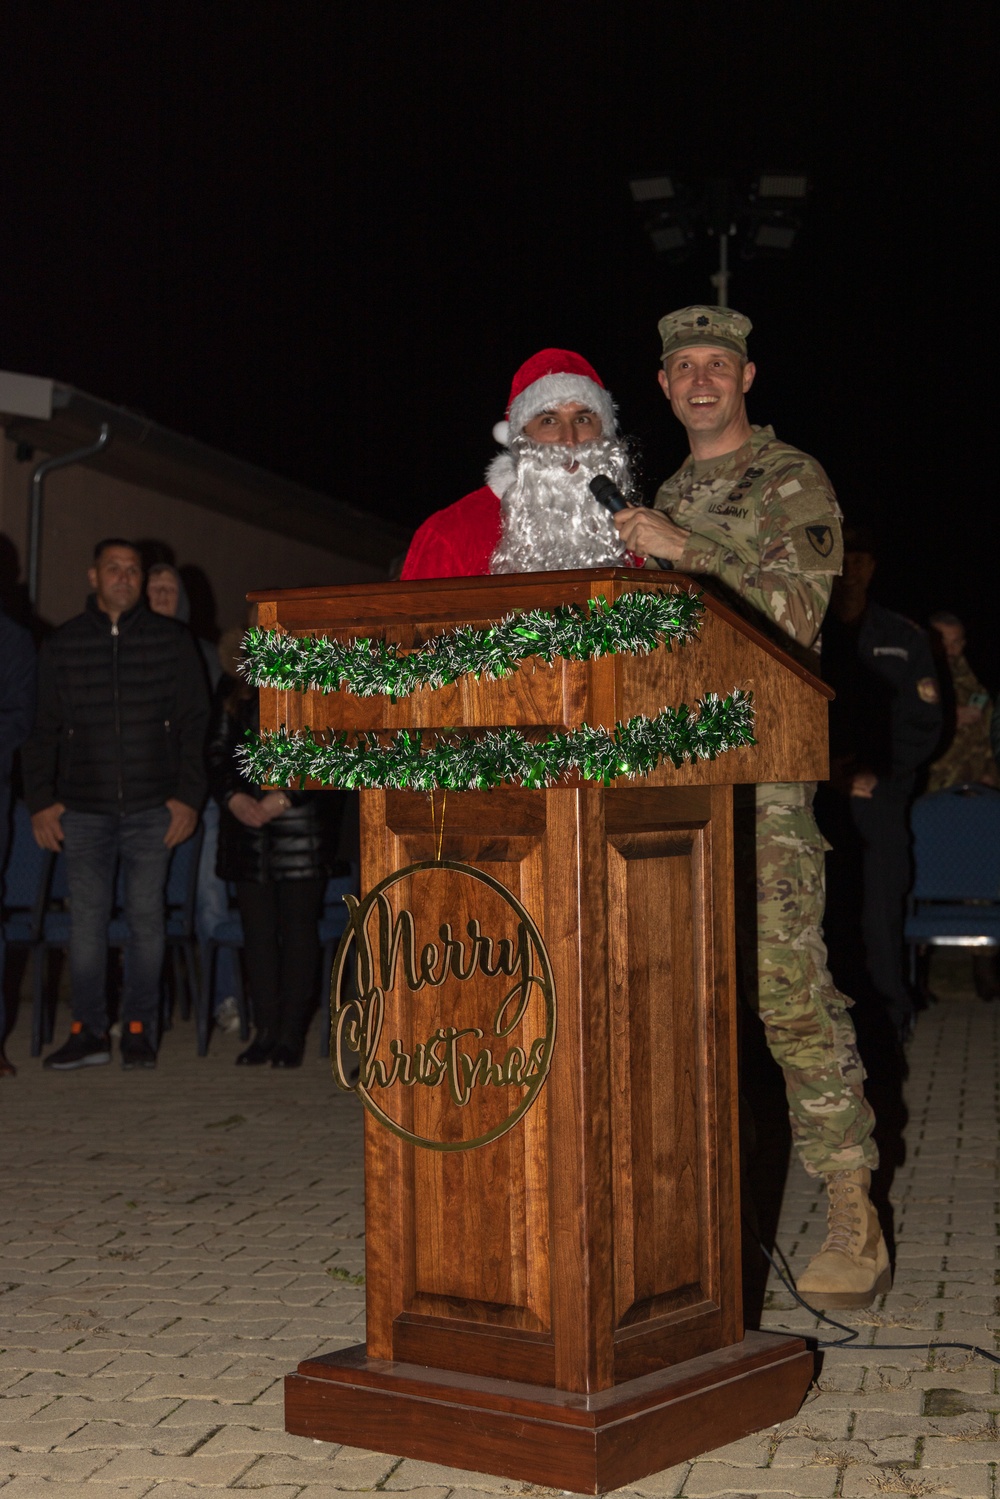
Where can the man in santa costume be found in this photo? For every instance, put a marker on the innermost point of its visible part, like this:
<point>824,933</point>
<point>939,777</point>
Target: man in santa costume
<point>535,513</point>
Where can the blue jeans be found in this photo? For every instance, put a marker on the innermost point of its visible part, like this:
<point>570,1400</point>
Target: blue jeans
<point>94,842</point>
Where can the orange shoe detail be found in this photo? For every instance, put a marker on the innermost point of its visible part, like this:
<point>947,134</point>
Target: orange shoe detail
<point>76,1027</point>
<point>135,1027</point>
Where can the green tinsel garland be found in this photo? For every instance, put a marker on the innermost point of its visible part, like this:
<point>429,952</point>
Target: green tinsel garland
<point>467,762</point>
<point>634,624</point>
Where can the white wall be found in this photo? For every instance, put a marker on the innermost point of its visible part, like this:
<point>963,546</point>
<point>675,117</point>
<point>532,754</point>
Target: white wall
<point>83,505</point>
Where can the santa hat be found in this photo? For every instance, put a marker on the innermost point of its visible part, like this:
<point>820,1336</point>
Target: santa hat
<point>553,378</point>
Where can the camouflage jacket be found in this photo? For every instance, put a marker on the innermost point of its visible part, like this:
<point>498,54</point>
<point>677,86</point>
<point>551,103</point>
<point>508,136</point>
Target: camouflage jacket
<point>764,521</point>
<point>969,756</point>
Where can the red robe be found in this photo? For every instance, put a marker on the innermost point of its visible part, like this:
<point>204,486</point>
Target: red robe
<point>456,542</point>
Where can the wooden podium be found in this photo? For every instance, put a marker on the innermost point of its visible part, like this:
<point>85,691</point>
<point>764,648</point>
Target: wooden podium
<point>560,1303</point>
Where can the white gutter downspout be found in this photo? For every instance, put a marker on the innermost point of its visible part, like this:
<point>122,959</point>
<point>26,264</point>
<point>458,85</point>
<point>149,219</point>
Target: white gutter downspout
<point>35,513</point>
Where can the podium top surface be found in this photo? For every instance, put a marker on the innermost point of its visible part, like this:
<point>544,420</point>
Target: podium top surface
<point>729,652</point>
<point>358,607</point>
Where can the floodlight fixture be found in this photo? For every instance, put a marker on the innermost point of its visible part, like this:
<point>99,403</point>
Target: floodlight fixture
<point>668,237</point>
<point>782,185</point>
<point>774,236</point>
<point>761,215</point>
<point>651,189</point>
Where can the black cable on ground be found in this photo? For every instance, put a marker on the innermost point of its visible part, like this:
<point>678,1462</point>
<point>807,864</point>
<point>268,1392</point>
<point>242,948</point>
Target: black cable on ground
<point>785,1276</point>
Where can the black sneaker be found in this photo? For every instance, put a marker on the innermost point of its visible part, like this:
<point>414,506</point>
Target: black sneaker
<point>83,1049</point>
<point>136,1050</point>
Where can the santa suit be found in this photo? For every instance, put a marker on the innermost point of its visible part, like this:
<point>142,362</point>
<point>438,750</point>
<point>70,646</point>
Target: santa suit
<point>456,542</point>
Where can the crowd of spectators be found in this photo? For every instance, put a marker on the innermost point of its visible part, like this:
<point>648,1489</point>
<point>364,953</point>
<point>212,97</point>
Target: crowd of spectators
<point>128,724</point>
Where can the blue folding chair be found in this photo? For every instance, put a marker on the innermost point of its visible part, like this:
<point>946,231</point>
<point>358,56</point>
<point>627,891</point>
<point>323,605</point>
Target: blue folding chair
<point>25,884</point>
<point>181,895</point>
<point>955,900</point>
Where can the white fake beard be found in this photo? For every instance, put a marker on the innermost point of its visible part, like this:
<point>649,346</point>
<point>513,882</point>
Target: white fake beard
<point>551,521</point>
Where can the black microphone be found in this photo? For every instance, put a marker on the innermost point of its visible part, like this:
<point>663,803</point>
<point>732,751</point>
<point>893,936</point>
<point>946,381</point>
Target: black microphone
<point>607,493</point>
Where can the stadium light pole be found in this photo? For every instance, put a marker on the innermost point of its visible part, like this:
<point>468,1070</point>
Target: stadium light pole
<point>764,215</point>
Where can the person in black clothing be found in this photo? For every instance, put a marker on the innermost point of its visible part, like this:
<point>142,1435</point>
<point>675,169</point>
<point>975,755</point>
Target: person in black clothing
<point>885,724</point>
<point>278,847</point>
<point>17,705</point>
<point>113,770</point>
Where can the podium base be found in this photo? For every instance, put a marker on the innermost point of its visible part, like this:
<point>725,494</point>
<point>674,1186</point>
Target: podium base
<point>584,1443</point>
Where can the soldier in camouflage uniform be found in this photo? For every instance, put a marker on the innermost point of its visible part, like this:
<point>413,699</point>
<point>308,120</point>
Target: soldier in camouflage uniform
<point>968,757</point>
<point>761,518</point>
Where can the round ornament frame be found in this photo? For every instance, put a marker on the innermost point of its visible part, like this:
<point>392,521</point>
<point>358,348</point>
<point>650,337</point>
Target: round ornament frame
<point>340,1008</point>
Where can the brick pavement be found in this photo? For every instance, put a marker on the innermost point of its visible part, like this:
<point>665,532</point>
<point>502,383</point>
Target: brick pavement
<point>171,1243</point>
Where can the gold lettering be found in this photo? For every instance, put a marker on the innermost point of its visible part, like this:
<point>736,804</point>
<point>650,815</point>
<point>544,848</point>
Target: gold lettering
<point>521,966</point>
<point>513,1066</point>
<point>347,1033</point>
<point>430,1067</point>
<point>457,1061</point>
<point>401,1069</point>
<point>455,952</point>
<point>428,958</point>
<point>372,1070</point>
<point>536,1060</point>
<point>392,935</point>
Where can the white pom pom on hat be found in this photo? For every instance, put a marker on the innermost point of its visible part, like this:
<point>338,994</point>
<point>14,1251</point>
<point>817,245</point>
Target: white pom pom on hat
<point>549,378</point>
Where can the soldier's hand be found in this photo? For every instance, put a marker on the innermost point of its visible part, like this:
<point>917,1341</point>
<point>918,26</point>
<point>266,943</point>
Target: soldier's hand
<point>863,784</point>
<point>183,821</point>
<point>47,827</point>
<point>650,533</point>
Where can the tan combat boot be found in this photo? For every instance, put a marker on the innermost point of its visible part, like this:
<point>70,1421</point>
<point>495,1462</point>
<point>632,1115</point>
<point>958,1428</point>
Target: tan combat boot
<point>852,1268</point>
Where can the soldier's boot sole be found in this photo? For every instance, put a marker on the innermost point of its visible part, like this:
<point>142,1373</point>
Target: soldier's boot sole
<point>848,1300</point>
<point>852,1268</point>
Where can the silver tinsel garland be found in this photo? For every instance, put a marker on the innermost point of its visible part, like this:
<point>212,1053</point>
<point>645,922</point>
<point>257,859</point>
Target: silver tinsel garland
<point>469,762</point>
<point>635,624</point>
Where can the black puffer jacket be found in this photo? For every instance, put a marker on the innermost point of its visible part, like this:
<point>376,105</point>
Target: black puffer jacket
<point>301,844</point>
<point>121,717</point>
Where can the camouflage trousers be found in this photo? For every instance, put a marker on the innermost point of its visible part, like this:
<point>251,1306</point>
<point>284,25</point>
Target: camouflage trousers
<point>809,1031</point>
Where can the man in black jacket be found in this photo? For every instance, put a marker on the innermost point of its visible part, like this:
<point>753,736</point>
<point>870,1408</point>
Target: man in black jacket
<point>113,770</point>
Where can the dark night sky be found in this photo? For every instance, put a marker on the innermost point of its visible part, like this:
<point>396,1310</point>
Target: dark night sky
<point>323,238</point>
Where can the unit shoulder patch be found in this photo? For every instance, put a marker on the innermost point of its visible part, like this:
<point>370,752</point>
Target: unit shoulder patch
<point>820,539</point>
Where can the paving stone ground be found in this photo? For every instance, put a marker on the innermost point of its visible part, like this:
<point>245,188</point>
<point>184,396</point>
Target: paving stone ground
<point>172,1243</point>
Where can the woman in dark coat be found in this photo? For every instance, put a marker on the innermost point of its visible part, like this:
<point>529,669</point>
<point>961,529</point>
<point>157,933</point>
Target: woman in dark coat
<point>278,848</point>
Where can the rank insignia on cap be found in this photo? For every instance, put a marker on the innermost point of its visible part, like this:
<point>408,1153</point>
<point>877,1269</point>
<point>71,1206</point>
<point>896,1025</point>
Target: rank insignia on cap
<point>927,690</point>
<point>718,327</point>
<point>820,539</point>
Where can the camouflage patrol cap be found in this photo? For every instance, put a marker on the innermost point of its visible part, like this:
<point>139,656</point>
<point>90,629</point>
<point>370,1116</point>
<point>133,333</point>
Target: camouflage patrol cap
<point>720,327</point>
